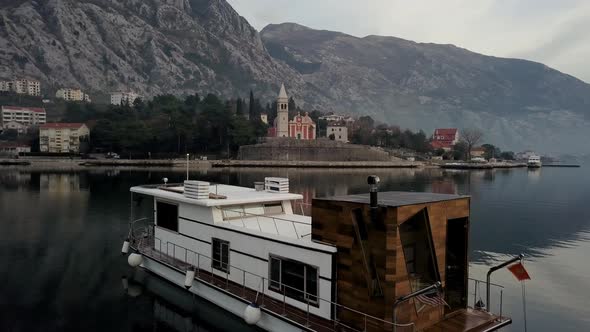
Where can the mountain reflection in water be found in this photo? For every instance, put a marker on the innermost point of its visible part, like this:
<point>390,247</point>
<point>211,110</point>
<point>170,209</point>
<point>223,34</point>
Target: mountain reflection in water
<point>60,265</point>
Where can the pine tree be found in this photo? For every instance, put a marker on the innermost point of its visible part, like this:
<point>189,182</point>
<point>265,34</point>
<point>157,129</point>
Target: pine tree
<point>251,109</point>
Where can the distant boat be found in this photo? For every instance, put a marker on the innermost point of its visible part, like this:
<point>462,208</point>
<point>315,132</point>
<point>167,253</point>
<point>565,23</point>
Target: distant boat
<point>534,162</point>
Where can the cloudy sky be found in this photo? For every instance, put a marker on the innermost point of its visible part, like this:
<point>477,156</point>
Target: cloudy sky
<point>554,32</point>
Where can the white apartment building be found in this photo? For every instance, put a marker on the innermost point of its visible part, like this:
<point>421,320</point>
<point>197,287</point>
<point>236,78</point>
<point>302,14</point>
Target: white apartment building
<point>120,98</point>
<point>68,94</point>
<point>28,116</point>
<point>62,137</point>
<point>340,132</point>
<point>22,86</point>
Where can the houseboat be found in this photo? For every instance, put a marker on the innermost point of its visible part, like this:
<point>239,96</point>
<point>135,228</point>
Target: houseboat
<point>390,261</point>
<point>534,161</point>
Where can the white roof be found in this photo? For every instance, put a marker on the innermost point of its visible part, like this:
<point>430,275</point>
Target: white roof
<point>234,195</point>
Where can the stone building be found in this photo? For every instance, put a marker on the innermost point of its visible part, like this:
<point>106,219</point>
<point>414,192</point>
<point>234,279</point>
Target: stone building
<point>339,130</point>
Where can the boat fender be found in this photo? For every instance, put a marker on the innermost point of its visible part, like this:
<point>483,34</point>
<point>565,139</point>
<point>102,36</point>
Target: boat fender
<point>134,290</point>
<point>125,282</point>
<point>190,276</point>
<point>125,248</point>
<point>135,260</point>
<point>252,313</point>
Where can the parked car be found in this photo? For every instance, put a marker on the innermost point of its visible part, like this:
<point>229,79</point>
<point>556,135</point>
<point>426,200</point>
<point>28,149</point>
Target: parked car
<point>478,160</point>
<point>112,155</point>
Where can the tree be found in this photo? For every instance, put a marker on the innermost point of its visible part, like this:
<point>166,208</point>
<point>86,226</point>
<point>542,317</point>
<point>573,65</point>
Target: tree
<point>460,150</point>
<point>507,155</point>
<point>332,137</point>
<point>471,137</point>
<point>491,151</point>
<point>251,109</point>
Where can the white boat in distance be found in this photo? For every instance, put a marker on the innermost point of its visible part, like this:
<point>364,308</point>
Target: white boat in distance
<point>248,252</point>
<point>534,161</point>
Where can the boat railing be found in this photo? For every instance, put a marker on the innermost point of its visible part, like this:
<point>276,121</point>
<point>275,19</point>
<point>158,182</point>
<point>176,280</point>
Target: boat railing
<point>478,295</point>
<point>246,217</point>
<point>240,282</point>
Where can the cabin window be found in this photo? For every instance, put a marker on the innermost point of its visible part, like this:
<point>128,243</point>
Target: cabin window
<point>296,280</point>
<point>220,254</point>
<point>418,251</point>
<point>273,208</point>
<point>167,216</point>
<point>251,210</point>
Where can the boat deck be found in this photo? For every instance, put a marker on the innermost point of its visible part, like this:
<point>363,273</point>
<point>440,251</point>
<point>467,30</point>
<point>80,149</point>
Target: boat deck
<point>468,320</point>
<point>301,317</point>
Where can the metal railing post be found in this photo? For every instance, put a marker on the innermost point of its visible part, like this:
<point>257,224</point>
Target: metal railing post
<point>475,284</point>
<point>489,276</point>
<point>501,296</point>
<point>198,263</point>
<point>307,323</point>
<point>243,283</point>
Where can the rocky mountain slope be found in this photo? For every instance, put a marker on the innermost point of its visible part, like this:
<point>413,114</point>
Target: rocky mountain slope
<point>183,46</point>
<point>150,46</point>
<point>517,103</point>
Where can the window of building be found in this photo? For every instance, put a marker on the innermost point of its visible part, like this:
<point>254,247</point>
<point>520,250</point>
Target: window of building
<point>167,216</point>
<point>296,280</point>
<point>220,255</point>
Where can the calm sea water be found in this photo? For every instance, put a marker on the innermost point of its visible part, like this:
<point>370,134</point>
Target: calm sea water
<point>61,234</point>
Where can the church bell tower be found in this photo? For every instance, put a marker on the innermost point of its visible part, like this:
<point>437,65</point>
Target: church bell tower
<point>283,113</point>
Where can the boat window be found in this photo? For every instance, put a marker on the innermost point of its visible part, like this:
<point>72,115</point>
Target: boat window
<point>249,210</point>
<point>220,254</point>
<point>295,279</point>
<point>167,216</point>
<point>273,208</point>
<point>233,212</point>
<point>418,251</point>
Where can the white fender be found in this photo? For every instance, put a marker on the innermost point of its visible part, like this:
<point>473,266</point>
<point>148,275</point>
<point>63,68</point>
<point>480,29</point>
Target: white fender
<point>125,283</point>
<point>125,248</point>
<point>190,276</point>
<point>252,313</point>
<point>135,260</point>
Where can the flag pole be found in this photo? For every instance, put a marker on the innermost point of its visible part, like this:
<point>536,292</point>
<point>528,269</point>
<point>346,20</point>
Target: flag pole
<point>489,276</point>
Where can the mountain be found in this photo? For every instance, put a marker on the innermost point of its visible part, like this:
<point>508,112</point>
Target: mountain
<point>517,103</point>
<point>186,46</point>
<point>150,46</point>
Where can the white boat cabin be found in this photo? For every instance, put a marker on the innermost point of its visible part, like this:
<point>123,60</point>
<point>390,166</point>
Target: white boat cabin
<point>249,236</point>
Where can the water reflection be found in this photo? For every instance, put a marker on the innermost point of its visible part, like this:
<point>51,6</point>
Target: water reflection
<point>61,236</point>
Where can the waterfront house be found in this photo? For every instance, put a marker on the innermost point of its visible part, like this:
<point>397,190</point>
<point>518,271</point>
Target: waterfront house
<point>339,130</point>
<point>445,138</point>
<point>62,137</point>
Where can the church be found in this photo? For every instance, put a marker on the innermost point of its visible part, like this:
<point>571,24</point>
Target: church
<point>301,127</point>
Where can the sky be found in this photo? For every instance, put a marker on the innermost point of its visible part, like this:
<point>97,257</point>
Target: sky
<point>553,32</point>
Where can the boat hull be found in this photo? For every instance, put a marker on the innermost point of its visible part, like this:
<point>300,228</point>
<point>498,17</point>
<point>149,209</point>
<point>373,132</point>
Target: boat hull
<point>219,297</point>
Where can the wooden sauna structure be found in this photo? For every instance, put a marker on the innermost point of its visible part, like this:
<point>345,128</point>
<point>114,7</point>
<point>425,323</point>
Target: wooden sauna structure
<point>391,244</point>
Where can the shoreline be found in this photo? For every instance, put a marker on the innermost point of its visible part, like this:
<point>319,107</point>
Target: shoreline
<point>180,164</point>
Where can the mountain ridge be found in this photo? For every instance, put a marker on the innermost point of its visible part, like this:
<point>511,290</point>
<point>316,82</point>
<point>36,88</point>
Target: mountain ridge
<point>186,46</point>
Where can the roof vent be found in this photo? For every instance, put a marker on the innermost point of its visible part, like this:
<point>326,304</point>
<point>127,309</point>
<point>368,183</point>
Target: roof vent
<point>259,186</point>
<point>277,185</point>
<point>196,189</point>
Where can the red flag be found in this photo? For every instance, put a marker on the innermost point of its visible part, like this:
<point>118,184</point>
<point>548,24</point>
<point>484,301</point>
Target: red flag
<point>519,272</point>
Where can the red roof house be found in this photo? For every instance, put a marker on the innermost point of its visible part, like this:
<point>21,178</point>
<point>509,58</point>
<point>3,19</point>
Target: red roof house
<point>445,138</point>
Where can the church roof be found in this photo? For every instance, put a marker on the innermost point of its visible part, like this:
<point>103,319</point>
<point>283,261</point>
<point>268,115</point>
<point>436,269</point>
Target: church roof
<point>283,92</point>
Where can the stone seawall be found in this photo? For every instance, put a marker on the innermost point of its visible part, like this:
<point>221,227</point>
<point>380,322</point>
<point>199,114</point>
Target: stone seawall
<point>317,150</point>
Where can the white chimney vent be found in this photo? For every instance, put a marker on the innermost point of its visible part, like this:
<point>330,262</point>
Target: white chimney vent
<point>276,185</point>
<point>196,189</point>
